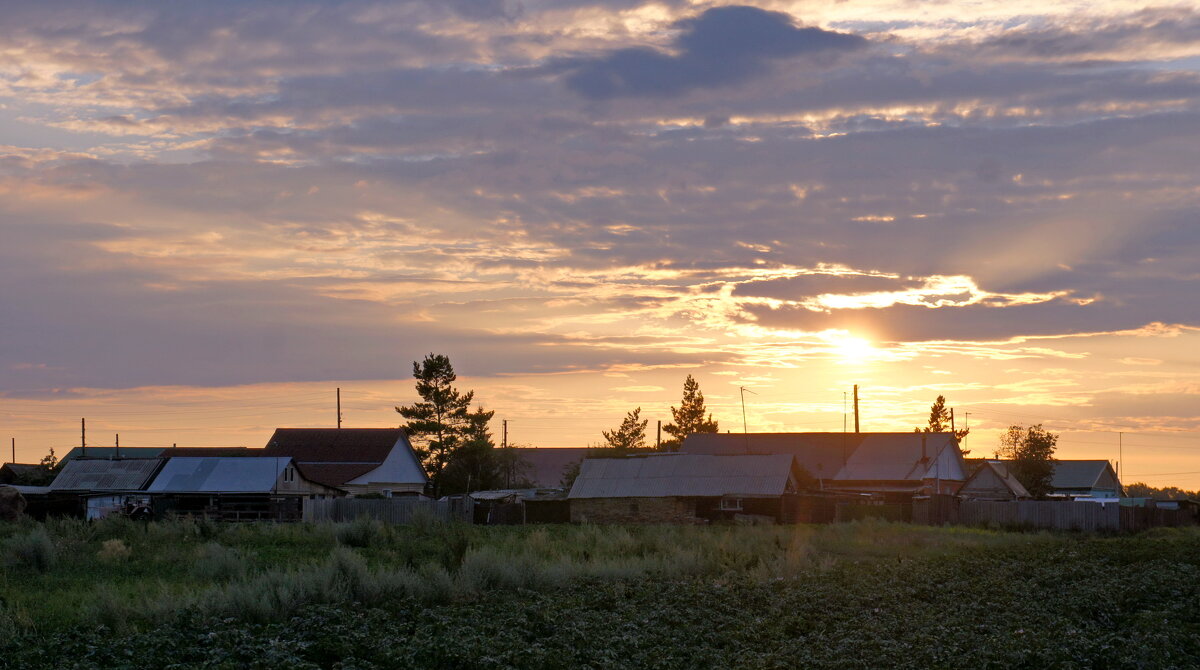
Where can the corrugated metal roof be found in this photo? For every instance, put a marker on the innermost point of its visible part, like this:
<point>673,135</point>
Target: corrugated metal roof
<point>683,475</point>
<point>112,452</point>
<point>835,456</point>
<point>232,474</point>
<point>129,474</point>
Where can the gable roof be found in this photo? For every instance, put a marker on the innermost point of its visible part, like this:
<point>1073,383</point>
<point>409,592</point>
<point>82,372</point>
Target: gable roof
<point>219,475</point>
<point>334,475</point>
<point>333,445</point>
<point>112,452</point>
<point>840,456</point>
<point>1078,474</point>
<point>546,464</point>
<point>127,474</point>
<point>684,475</point>
<point>225,452</point>
<point>1002,473</point>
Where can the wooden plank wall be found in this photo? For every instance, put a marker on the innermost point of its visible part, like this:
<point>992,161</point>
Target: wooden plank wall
<point>1053,514</point>
<point>388,510</point>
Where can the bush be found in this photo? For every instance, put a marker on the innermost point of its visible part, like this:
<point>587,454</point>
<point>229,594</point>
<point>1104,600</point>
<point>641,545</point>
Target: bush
<point>216,562</point>
<point>34,550</point>
<point>114,550</point>
<point>362,532</point>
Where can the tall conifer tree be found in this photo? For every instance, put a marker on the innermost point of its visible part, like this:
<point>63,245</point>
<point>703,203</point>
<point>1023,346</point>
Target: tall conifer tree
<point>441,422</point>
<point>689,418</point>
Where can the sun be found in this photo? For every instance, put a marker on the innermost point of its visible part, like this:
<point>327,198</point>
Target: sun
<point>852,348</point>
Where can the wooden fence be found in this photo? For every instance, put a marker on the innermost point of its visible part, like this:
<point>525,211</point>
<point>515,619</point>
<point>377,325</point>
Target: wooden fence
<point>388,510</point>
<point>1055,514</point>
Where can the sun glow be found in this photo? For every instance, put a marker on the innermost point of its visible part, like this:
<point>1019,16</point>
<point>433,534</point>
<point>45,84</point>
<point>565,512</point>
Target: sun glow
<point>851,348</point>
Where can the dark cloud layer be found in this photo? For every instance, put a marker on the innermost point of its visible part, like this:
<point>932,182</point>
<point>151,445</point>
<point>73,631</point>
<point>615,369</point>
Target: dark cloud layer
<point>722,46</point>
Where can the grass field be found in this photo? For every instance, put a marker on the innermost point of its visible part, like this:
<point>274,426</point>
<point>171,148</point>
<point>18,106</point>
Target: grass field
<point>362,595</point>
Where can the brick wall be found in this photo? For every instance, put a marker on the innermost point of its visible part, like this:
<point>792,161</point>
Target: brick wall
<point>634,510</point>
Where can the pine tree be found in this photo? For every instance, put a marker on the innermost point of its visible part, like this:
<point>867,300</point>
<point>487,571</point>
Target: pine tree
<point>441,422</point>
<point>689,418</point>
<point>939,420</point>
<point>630,436</point>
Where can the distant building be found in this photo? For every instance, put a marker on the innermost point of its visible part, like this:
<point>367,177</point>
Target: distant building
<point>355,460</point>
<point>233,488</point>
<point>24,474</point>
<point>1085,479</point>
<point>545,466</point>
<point>992,480</point>
<point>683,488</point>
<point>895,466</point>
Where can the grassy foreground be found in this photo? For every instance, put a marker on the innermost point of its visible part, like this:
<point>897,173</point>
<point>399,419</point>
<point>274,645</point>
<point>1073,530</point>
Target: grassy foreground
<point>363,595</point>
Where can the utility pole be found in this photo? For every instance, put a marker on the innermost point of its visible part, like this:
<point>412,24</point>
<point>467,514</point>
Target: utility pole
<point>856,408</point>
<point>339,407</point>
<point>117,452</point>
<point>843,411</point>
<point>14,451</point>
<point>83,438</point>
<point>967,426</point>
<point>952,421</point>
<point>504,441</point>
<point>1120,455</point>
<point>658,437</point>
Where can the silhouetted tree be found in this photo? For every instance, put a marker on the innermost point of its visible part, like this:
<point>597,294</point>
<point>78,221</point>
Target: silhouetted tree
<point>689,418</point>
<point>631,435</point>
<point>939,421</point>
<point>1030,453</point>
<point>441,422</point>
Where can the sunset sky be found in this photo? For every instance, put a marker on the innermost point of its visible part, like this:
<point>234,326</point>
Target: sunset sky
<point>213,214</point>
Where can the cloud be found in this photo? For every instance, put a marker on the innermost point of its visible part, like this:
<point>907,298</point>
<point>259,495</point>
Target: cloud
<point>721,46</point>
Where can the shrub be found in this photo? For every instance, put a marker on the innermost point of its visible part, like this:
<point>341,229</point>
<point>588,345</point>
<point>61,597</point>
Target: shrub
<point>216,562</point>
<point>33,550</point>
<point>114,550</point>
<point>361,532</point>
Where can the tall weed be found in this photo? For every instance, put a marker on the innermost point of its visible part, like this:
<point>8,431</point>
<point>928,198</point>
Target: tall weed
<point>34,550</point>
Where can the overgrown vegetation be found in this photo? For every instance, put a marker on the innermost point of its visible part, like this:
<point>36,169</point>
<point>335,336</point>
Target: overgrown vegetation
<point>858,594</point>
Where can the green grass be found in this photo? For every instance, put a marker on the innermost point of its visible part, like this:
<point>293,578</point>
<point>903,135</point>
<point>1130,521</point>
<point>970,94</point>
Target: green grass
<point>598,596</point>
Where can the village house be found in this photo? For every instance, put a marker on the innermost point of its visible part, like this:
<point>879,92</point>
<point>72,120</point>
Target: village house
<point>993,481</point>
<point>892,466</point>
<point>684,488</point>
<point>101,486</point>
<point>354,460</point>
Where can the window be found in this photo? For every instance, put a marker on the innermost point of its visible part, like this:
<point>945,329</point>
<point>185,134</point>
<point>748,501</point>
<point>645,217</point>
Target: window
<point>731,504</point>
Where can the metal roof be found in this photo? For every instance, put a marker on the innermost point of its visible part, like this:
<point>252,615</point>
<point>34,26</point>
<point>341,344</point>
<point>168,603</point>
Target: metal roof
<point>683,475</point>
<point>546,464</point>
<point>127,474</point>
<point>836,456</point>
<point>233,474</point>
<point>334,445</point>
<point>1002,474</point>
<point>112,452</point>
<point>1077,474</point>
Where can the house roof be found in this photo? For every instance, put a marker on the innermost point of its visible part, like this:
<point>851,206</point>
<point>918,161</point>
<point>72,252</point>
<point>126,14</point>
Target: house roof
<point>334,475</point>
<point>1003,474</point>
<point>334,445</point>
<point>219,475</point>
<point>546,465</point>
<point>127,474</point>
<point>226,452</point>
<point>1078,474</point>
<point>683,475</point>
<point>891,457</point>
<point>22,468</point>
<point>113,452</point>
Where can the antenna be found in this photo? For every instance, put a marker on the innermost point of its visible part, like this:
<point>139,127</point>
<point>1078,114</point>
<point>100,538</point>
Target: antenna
<point>745,426</point>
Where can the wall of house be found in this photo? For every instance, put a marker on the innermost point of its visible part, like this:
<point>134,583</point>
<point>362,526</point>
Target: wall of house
<point>634,510</point>
<point>397,488</point>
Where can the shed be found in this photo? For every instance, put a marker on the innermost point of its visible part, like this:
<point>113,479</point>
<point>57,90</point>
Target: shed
<point>1085,479</point>
<point>683,488</point>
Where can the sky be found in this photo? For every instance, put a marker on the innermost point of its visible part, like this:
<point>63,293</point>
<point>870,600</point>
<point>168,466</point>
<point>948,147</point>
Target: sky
<point>212,215</point>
